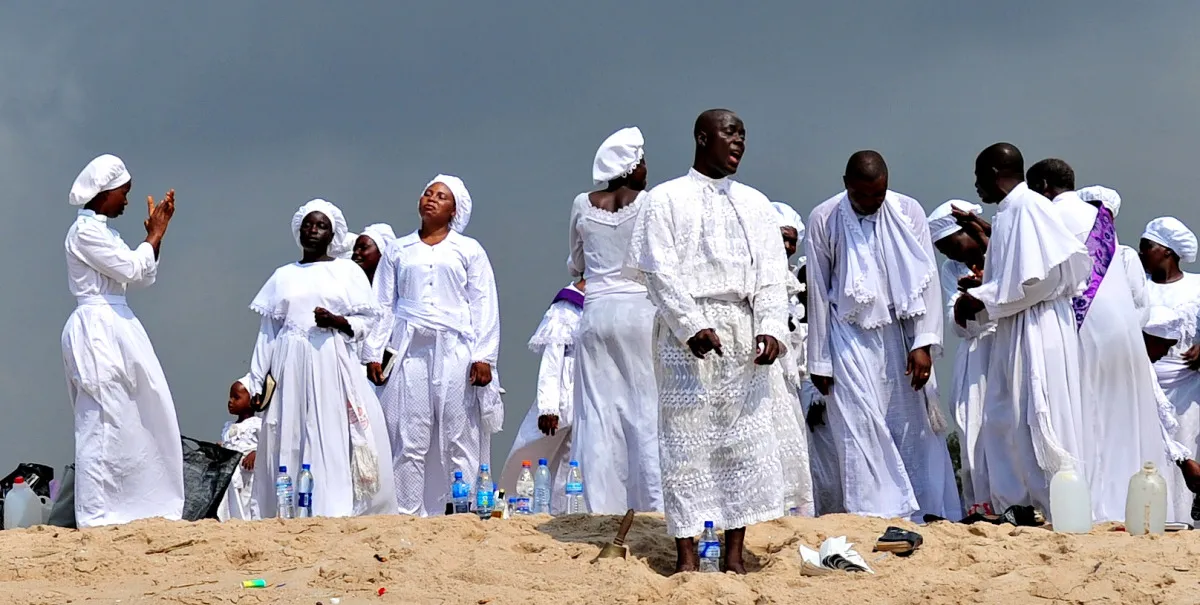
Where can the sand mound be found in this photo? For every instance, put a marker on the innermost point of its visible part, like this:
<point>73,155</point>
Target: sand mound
<point>542,560</point>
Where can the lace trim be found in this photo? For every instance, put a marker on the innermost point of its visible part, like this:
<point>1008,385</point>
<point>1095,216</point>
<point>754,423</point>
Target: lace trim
<point>607,217</point>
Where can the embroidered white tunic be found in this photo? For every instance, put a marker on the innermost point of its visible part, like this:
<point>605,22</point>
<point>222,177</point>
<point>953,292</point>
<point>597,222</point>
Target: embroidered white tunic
<point>324,412</point>
<point>128,454</point>
<point>440,303</point>
<point>894,462</point>
<point>616,425</point>
<point>709,253</point>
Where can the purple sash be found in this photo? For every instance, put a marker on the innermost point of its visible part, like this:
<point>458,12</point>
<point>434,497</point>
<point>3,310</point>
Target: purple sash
<point>569,295</point>
<point>1102,246</point>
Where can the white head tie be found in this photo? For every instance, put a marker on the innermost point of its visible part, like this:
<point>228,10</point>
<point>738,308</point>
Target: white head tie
<point>618,156</point>
<point>104,173</point>
<point>942,223</point>
<point>1109,198</point>
<point>341,237</point>
<point>1172,233</point>
<point>380,233</point>
<point>788,217</point>
<point>462,200</point>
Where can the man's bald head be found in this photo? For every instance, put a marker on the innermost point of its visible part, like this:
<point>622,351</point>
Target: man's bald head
<point>708,121</point>
<point>866,181</point>
<point>1051,177</point>
<point>998,169</point>
<point>720,143</point>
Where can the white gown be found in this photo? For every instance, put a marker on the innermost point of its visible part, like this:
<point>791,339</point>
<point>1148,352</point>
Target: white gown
<point>1121,410</point>
<point>128,453</point>
<point>239,503</point>
<point>440,303</point>
<point>615,438</point>
<point>554,340</point>
<point>320,386</point>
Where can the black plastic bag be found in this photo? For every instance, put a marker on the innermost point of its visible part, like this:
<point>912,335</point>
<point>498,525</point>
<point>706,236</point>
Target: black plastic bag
<point>207,470</point>
<point>62,510</point>
<point>39,475</point>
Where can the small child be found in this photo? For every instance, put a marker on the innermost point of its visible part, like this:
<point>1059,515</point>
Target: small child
<point>241,435</point>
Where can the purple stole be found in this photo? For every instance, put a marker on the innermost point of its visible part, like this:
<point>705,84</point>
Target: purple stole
<point>569,295</point>
<point>1102,246</point>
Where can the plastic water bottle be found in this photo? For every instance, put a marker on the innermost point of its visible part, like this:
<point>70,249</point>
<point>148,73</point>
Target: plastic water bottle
<point>574,489</point>
<point>484,497</point>
<point>22,507</point>
<point>1146,502</point>
<point>525,490</point>
<point>460,490</point>
<point>1070,502</point>
<point>284,508</point>
<point>304,489</point>
<point>709,549</point>
<point>541,488</point>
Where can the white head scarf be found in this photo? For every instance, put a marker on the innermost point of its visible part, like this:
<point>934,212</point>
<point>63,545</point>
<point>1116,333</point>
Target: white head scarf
<point>1172,233</point>
<point>245,380</point>
<point>381,234</point>
<point>1165,322</point>
<point>1109,198</point>
<point>104,173</point>
<point>788,217</point>
<point>618,155</point>
<point>462,200</point>
<point>341,237</point>
<point>942,223</point>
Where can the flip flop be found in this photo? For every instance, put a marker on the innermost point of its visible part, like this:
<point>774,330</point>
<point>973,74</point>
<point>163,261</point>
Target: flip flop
<point>899,542</point>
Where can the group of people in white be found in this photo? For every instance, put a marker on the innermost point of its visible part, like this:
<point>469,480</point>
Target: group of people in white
<point>689,366</point>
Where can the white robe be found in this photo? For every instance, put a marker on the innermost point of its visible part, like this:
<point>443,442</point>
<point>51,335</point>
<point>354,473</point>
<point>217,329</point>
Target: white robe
<point>128,453</point>
<point>440,303</point>
<point>710,254</point>
<point>971,363</point>
<point>1180,385</point>
<point>894,463</point>
<point>615,438</point>
<point>318,377</point>
<point>1120,408</point>
<point>555,340</point>
<point>239,502</point>
<point>791,432</point>
<point>1033,417</point>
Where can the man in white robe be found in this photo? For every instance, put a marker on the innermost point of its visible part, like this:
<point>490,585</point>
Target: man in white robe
<point>875,327</point>
<point>1120,409</point>
<point>1165,244</point>
<point>707,249</point>
<point>1033,418</point>
<point>128,453</point>
<point>964,252</point>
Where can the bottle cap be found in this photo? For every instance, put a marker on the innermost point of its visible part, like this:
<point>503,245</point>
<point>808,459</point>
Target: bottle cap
<point>18,481</point>
<point>526,464</point>
<point>574,463</point>
<point>282,469</point>
<point>306,467</point>
<point>542,462</point>
<point>708,525</point>
<point>483,468</point>
<point>458,474</point>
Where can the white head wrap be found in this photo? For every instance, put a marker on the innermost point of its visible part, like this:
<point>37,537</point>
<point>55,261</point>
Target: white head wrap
<point>618,155</point>
<point>245,380</point>
<point>381,234</point>
<point>342,242</point>
<point>1172,233</point>
<point>104,173</point>
<point>1109,198</point>
<point>788,217</point>
<point>1165,322</point>
<point>462,200</point>
<point>942,223</point>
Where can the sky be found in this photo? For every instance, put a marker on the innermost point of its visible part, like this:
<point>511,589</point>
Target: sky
<point>248,110</point>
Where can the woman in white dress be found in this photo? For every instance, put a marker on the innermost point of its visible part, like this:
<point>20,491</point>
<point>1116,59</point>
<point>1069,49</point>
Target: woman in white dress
<point>369,247</point>
<point>323,412</point>
<point>438,295</point>
<point>616,395</point>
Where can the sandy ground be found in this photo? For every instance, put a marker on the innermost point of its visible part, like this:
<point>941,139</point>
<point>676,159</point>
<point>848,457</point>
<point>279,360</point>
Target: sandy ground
<point>542,560</point>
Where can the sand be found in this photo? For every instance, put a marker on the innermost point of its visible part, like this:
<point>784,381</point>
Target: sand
<point>461,559</point>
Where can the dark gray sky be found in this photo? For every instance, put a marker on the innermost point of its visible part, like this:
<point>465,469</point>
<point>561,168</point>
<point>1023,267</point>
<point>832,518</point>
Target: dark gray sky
<point>250,109</point>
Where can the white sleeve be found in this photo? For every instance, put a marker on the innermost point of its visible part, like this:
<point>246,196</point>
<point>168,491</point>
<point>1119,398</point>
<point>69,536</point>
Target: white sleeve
<point>264,348</point>
<point>549,382</point>
<point>97,247</point>
<point>820,266</point>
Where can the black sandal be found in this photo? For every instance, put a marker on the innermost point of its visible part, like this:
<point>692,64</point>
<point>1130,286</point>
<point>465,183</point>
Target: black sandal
<point>899,542</point>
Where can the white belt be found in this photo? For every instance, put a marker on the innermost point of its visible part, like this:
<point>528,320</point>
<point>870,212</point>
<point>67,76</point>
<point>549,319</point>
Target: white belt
<point>115,300</point>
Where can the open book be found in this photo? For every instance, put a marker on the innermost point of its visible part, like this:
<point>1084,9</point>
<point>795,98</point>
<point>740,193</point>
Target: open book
<point>389,361</point>
<point>268,391</point>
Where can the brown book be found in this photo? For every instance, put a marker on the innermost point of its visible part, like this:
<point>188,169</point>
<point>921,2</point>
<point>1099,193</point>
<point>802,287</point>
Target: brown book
<point>268,391</point>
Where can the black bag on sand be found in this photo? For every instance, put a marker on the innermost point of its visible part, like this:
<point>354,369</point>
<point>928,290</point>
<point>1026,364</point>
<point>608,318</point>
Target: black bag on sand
<point>207,470</point>
<point>39,475</point>
<point>62,510</point>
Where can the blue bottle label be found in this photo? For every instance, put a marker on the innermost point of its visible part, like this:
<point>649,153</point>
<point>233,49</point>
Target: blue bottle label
<point>305,500</point>
<point>483,499</point>
<point>710,550</point>
<point>575,488</point>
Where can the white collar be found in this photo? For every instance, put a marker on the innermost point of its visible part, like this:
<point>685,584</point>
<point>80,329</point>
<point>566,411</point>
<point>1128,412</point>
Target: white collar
<point>721,184</point>
<point>92,215</point>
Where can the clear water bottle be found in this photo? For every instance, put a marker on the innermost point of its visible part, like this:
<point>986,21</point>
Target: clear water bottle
<point>304,492</point>
<point>709,549</point>
<point>574,489</point>
<point>541,488</point>
<point>484,497</point>
<point>284,508</point>
<point>525,489</point>
<point>460,490</point>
